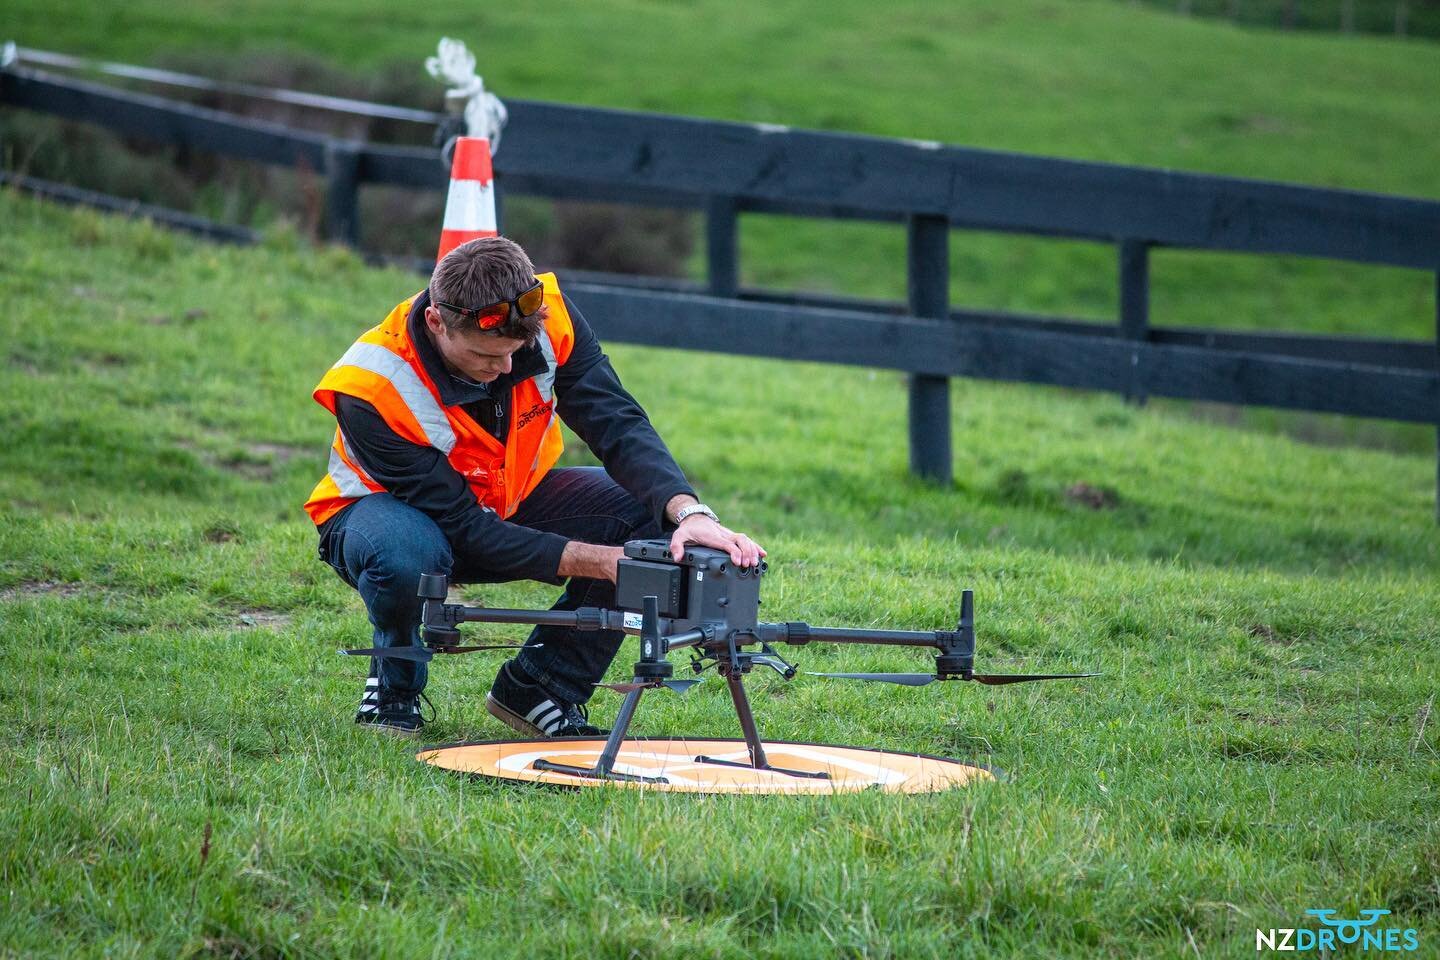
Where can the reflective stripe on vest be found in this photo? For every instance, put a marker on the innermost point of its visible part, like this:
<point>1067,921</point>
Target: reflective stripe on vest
<point>423,406</point>
<point>350,479</point>
<point>347,481</point>
<point>545,383</point>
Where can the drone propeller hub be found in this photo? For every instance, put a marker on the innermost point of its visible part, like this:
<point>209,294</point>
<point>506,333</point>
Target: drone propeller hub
<point>954,666</point>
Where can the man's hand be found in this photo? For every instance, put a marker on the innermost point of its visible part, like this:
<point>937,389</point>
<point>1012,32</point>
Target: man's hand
<point>698,528</point>
<point>590,560</point>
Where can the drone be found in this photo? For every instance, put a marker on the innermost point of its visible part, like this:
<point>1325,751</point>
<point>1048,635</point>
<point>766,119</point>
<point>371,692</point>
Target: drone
<point>706,604</point>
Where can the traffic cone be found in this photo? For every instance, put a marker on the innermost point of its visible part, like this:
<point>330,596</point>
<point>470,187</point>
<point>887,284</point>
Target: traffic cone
<point>470,206</point>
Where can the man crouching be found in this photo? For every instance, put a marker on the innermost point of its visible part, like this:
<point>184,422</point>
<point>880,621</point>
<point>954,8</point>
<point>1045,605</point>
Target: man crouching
<point>448,430</point>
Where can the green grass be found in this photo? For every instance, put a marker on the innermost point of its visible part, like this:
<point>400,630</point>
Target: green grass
<point>1264,612</point>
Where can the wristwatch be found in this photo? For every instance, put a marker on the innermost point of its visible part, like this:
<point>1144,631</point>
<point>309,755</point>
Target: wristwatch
<point>694,508</point>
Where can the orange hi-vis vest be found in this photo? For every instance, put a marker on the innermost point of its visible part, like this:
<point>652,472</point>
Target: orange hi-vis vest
<point>383,368</point>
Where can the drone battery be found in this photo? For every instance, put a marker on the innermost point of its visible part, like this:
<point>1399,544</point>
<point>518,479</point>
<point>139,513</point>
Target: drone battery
<point>637,579</point>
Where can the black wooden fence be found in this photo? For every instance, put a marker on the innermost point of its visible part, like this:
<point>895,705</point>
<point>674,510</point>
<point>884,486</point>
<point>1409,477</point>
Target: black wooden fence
<point>726,169</point>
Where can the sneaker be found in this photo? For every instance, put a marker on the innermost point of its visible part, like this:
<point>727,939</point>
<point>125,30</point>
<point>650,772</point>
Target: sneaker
<point>395,715</point>
<point>528,708</point>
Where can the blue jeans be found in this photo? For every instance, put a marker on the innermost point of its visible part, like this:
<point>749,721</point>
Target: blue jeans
<point>380,546</point>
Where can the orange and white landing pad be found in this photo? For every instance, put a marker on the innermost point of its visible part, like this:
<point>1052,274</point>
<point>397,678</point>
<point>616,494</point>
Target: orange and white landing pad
<point>850,768</point>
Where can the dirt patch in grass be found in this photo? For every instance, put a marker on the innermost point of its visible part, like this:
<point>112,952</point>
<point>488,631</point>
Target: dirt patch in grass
<point>254,461</point>
<point>101,366</point>
<point>279,451</point>
<point>189,316</point>
<point>222,531</point>
<point>228,948</point>
<point>1261,748</point>
<point>41,588</point>
<point>269,619</point>
<point>1092,497</point>
<point>1268,634</point>
<point>259,460</point>
<point>247,468</point>
<point>24,364</point>
<point>1262,720</point>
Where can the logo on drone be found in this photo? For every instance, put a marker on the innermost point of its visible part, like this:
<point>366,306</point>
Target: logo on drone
<point>1335,932</point>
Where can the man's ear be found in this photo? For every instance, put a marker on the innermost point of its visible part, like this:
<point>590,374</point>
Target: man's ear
<point>433,321</point>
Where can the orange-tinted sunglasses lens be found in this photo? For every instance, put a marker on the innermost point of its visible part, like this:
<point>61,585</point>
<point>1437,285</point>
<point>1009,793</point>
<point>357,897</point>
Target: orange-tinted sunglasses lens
<point>531,300</point>
<point>492,316</point>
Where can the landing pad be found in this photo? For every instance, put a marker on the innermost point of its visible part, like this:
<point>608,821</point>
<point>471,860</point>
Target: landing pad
<point>850,768</point>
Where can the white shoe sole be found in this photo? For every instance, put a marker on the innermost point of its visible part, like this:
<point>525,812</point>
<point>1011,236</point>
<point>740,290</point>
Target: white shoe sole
<point>389,731</point>
<point>511,719</point>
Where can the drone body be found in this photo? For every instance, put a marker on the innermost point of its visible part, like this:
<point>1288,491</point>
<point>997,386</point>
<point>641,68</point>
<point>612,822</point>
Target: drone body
<point>704,587</point>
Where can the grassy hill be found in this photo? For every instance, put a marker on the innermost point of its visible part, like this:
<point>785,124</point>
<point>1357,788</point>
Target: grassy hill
<point>1090,79</point>
<point>1264,613</point>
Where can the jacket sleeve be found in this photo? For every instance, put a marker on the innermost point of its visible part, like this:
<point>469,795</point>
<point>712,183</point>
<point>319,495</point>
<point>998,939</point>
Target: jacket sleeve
<point>591,401</point>
<point>423,478</point>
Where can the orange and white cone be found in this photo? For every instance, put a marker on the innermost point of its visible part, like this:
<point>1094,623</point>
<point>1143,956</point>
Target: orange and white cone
<point>470,207</point>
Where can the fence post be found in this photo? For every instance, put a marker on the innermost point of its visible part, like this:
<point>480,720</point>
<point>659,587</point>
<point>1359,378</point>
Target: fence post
<point>1135,310</point>
<point>928,275</point>
<point>342,193</point>
<point>1437,404</point>
<point>722,247</point>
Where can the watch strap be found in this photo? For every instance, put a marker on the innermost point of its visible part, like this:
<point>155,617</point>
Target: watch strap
<point>692,509</point>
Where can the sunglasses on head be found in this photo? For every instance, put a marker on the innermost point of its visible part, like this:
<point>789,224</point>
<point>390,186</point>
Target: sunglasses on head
<point>493,315</point>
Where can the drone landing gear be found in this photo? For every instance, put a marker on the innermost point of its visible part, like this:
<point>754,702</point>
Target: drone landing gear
<point>654,671</point>
<point>604,767</point>
<point>752,736</point>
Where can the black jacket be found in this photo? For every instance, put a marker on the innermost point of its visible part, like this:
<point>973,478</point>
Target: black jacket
<point>588,399</point>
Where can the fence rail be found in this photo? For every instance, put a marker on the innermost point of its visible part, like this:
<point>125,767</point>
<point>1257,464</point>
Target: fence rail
<point>726,169</point>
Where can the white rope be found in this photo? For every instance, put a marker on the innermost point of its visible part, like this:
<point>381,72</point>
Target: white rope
<point>485,115</point>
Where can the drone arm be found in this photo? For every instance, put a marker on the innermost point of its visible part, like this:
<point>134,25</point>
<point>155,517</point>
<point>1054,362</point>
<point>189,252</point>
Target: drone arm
<point>955,649</point>
<point>689,638</point>
<point>893,638</point>
<point>442,619</point>
<point>797,634</point>
<point>585,618</point>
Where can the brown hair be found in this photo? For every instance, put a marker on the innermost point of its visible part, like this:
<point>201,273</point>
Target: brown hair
<point>482,272</point>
